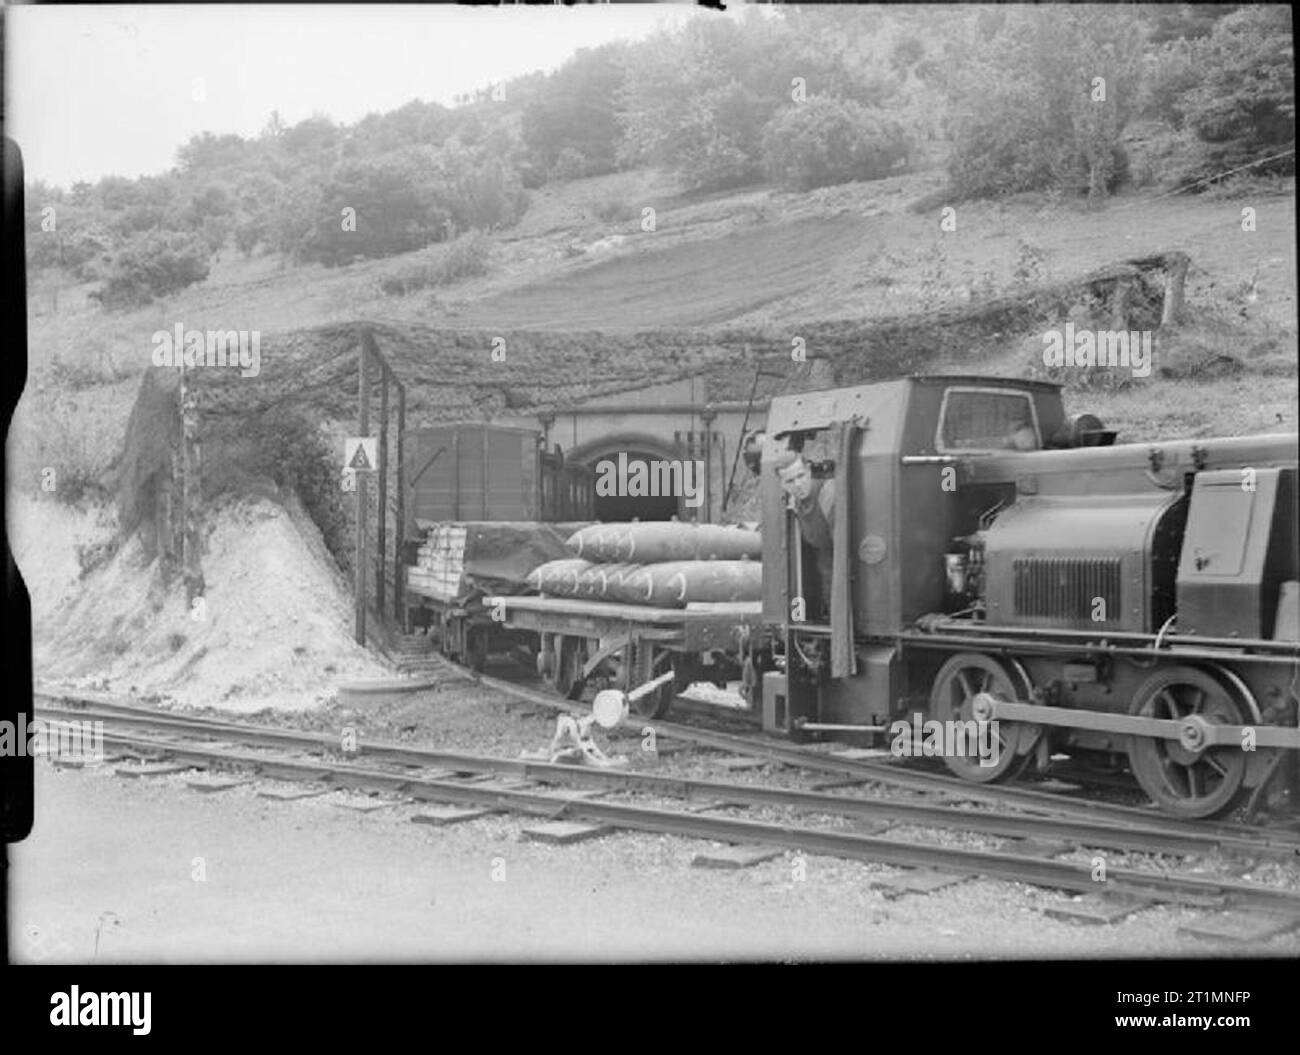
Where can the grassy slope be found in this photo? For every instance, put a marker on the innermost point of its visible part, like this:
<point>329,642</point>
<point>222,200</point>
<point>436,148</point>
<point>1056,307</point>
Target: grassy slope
<point>580,258</point>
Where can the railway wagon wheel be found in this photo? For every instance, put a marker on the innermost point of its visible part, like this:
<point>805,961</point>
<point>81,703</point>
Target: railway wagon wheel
<point>476,650</point>
<point>646,662</point>
<point>447,639</point>
<point>565,675</point>
<point>956,684</point>
<point>1182,777</point>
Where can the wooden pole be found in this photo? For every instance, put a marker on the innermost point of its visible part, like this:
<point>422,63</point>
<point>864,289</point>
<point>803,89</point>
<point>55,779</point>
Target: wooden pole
<point>399,569</point>
<point>363,487</point>
<point>1175,283</point>
<point>382,540</point>
<point>1119,305</point>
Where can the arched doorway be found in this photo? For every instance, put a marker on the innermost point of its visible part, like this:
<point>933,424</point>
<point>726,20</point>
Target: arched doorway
<point>638,478</point>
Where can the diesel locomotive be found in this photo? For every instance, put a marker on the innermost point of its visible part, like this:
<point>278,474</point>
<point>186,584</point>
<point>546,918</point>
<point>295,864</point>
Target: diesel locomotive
<point>997,561</point>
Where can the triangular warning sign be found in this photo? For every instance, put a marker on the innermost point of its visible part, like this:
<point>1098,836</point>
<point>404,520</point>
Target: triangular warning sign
<point>359,459</point>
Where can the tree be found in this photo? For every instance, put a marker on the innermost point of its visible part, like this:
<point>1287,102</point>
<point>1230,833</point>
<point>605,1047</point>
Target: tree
<point>1101,53</point>
<point>672,105</point>
<point>573,112</point>
<point>1041,99</point>
<point>1243,109</point>
<point>314,136</point>
<point>206,152</point>
<point>824,141</point>
<point>391,211</point>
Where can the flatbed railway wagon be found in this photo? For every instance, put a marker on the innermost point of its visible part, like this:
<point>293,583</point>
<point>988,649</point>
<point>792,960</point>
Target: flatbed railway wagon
<point>628,645</point>
<point>997,562</point>
<point>484,505</point>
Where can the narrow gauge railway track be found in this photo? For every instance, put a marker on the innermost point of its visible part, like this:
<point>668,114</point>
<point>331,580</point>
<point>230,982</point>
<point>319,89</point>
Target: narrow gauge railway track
<point>1234,838</point>
<point>892,774</point>
<point>1215,894</point>
<point>1007,825</point>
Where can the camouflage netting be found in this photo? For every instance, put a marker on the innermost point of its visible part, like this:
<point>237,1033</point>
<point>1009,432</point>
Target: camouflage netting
<point>283,428</point>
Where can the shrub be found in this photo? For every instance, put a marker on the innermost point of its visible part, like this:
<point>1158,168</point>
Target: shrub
<point>292,451</point>
<point>478,191</point>
<point>394,212</point>
<point>1244,107</point>
<point>570,164</point>
<point>79,462</point>
<point>468,256</point>
<point>824,141</point>
<point>611,209</point>
<point>153,265</point>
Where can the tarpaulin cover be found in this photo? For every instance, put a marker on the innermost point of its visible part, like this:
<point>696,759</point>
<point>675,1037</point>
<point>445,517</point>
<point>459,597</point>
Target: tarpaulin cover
<point>466,559</point>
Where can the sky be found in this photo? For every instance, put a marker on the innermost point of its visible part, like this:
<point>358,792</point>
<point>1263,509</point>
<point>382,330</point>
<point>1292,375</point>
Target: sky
<point>92,90</point>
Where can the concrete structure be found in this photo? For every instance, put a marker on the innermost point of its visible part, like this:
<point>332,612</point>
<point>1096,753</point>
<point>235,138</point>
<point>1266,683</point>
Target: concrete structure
<point>673,422</point>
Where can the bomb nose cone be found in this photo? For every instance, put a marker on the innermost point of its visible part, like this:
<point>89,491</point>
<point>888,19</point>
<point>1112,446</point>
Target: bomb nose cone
<point>609,708</point>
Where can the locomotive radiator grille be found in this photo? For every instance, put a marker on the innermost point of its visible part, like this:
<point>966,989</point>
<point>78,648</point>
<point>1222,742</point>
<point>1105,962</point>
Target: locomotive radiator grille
<point>1068,588</point>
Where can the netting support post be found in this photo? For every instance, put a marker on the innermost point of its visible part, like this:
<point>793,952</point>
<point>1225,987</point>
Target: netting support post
<point>399,526</point>
<point>191,493</point>
<point>363,490</point>
<point>381,540</point>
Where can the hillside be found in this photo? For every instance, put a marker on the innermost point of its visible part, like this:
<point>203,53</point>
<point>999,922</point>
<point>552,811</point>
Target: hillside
<point>723,282</point>
<point>762,258</point>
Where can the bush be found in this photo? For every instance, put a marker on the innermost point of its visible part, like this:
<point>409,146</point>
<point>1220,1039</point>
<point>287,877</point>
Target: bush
<point>1243,109</point>
<point>153,265</point>
<point>570,165</point>
<point>825,141</point>
<point>995,149</point>
<point>78,461</point>
<point>292,451</point>
<point>611,209</point>
<point>468,256</point>
<point>393,212</point>
<point>478,191</point>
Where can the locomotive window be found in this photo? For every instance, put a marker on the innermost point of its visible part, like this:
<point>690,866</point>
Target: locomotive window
<point>985,419</point>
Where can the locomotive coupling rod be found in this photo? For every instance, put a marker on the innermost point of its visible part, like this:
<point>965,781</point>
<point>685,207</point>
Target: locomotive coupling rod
<point>1193,732</point>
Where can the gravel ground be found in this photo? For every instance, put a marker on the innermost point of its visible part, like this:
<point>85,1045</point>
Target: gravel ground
<point>164,873</point>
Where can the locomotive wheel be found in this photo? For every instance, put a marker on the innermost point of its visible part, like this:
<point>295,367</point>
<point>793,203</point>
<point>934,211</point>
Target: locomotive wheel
<point>1187,782</point>
<point>959,680</point>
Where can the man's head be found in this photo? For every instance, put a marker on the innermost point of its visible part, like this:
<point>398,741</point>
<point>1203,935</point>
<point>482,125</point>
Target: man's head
<point>1022,436</point>
<point>794,474</point>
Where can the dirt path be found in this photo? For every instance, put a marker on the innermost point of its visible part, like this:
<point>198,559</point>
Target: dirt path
<point>692,284</point>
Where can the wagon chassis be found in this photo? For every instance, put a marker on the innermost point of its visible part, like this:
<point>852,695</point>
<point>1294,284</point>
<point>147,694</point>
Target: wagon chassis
<point>639,642</point>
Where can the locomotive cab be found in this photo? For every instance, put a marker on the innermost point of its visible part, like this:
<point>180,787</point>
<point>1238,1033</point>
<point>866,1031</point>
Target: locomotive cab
<point>900,455</point>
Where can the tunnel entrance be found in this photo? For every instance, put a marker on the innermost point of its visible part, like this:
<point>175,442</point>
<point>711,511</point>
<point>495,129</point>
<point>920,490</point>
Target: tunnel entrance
<point>638,474</point>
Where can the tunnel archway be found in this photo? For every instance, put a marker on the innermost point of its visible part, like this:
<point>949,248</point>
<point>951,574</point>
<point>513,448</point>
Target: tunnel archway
<point>621,456</point>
